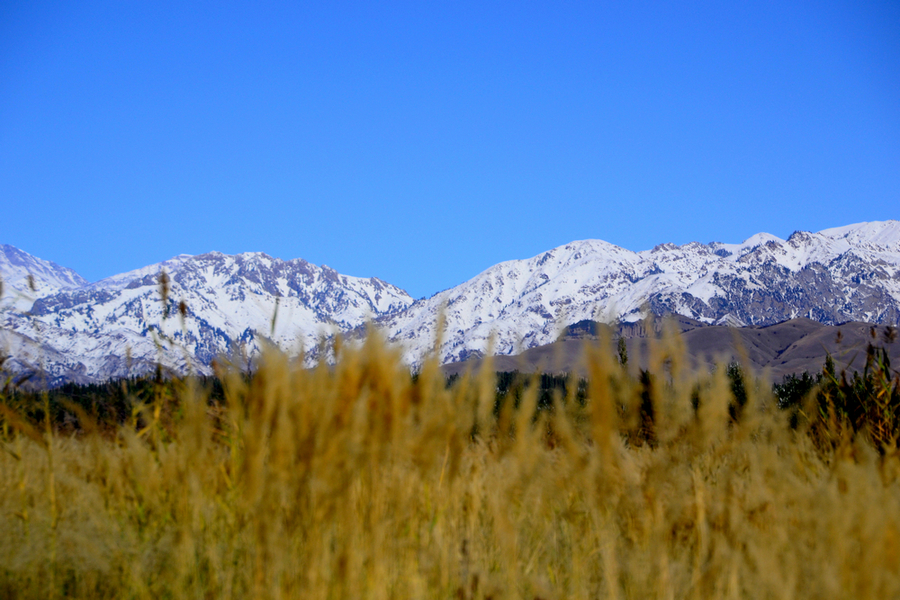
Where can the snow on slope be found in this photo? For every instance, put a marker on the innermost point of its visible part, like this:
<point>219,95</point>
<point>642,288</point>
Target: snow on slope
<point>47,278</point>
<point>88,332</point>
<point>877,234</point>
<point>119,326</point>
<point>847,273</point>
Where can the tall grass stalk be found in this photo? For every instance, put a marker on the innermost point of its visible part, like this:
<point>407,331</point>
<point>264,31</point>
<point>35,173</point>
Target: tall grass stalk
<point>360,481</point>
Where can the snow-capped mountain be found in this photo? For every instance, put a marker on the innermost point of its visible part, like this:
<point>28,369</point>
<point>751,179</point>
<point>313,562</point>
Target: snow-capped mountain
<point>833,276</point>
<point>69,329</point>
<point>46,278</point>
<point>215,304</point>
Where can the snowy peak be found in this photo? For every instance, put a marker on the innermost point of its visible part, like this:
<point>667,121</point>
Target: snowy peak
<point>123,280</point>
<point>16,267</point>
<point>260,274</point>
<point>216,303</point>
<point>837,275</point>
<point>120,325</point>
<point>883,234</point>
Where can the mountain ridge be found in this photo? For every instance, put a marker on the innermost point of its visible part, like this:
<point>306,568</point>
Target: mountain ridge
<point>216,304</point>
<point>119,324</point>
<point>841,274</point>
<point>26,277</point>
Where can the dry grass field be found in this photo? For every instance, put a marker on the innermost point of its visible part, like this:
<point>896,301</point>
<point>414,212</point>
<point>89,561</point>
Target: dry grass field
<point>359,481</point>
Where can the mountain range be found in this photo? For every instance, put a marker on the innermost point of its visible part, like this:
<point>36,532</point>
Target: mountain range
<point>215,304</point>
<point>834,276</point>
<point>59,325</point>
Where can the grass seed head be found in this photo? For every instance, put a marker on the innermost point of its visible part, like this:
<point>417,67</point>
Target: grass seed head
<point>357,479</point>
<point>164,288</point>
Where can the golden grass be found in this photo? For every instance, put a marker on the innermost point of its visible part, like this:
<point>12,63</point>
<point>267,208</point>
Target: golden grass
<point>357,481</point>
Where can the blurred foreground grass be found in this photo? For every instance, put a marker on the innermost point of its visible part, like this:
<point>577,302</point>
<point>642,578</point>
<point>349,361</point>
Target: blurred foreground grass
<point>359,481</point>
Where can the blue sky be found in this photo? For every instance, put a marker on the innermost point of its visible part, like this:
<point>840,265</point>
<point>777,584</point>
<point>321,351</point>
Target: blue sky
<point>423,142</point>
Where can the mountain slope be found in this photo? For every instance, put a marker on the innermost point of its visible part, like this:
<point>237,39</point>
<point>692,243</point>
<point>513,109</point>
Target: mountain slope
<point>70,329</point>
<point>120,325</point>
<point>790,347</point>
<point>844,274</point>
<point>46,278</point>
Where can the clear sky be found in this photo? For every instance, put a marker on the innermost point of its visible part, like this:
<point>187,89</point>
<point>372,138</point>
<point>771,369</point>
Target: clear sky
<point>423,142</point>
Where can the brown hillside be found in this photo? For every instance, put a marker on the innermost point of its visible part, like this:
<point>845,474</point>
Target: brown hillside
<point>792,346</point>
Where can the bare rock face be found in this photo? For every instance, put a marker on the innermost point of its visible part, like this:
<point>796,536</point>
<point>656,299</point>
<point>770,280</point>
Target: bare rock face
<point>834,276</point>
<point>215,304</point>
